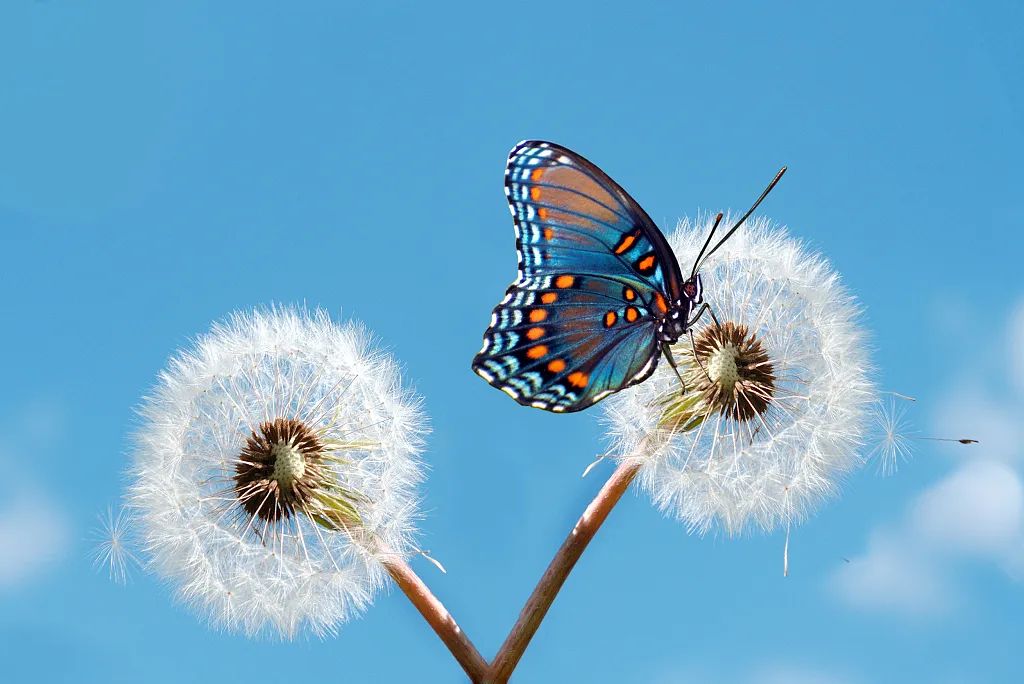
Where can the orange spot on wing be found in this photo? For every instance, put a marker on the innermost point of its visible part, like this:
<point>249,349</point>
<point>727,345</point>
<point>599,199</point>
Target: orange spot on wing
<point>632,314</point>
<point>535,333</point>
<point>610,318</point>
<point>535,194</point>
<point>548,233</point>
<point>536,174</point>
<point>564,281</point>
<point>556,366</point>
<point>543,213</point>
<point>548,297</point>
<point>538,352</point>
<point>578,379</point>
<point>626,243</point>
<point>629,293</point>
<point>538,315</point>
<point>646,263</point>
<point>659,301</point>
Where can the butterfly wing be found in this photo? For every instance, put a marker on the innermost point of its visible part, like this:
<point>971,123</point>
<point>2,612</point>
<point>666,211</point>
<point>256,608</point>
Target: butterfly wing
<point>595,274</point>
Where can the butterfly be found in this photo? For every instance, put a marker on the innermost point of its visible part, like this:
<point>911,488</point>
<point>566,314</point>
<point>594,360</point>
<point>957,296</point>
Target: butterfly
<point>599,295</point>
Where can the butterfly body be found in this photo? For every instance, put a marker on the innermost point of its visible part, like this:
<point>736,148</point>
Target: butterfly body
<point>598,289</point>
<point>677,321</point>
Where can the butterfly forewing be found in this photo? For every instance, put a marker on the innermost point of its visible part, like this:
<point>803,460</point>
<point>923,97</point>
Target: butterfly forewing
<point>579,322</point>
<point>568,212</point>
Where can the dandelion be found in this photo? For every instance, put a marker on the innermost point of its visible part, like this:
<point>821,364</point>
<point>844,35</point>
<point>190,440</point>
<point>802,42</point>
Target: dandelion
<point>275,471</point>
<point>111,550</point>
<point>776,399</point>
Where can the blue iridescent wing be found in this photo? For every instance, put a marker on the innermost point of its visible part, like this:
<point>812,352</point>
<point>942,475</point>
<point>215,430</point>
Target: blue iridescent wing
<point>594,276</point>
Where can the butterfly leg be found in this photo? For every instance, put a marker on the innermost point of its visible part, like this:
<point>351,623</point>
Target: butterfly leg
<point>700,312</point>
<point>714,317</point>
<point>666,349</point>
<point>693,346</point>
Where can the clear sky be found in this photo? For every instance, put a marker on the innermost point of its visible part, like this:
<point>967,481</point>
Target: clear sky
<point>162,164</point>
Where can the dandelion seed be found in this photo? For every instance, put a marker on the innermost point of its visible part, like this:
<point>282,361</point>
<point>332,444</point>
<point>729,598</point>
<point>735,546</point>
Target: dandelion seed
<point>777,398</point>
<point>785,551</point>
<point>597,461</point>
<point>436,563</point>
<point>895,437</point>
<point>275,468</point>
<point>111,551</point>
<point>894,443</point>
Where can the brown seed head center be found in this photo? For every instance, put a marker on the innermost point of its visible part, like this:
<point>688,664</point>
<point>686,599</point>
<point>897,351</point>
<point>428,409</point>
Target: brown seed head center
<point>733,371</point>
<point>279,470</point>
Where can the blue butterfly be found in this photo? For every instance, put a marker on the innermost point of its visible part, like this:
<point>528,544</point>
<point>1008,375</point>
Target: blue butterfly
<point>599,292</point>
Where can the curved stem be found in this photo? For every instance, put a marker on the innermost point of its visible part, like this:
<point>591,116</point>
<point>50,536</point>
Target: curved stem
<point>434,612</point>
<point>561,565</point>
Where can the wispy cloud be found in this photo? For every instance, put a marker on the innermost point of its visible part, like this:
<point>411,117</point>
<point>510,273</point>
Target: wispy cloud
<point>34,531</point>
<point>33,534</point>
<point>796,674</point>
<point>975,513</point>
<point>971,409</point>
<point>767,673</point>
<point>894,577</point>
<point>1015,340</point>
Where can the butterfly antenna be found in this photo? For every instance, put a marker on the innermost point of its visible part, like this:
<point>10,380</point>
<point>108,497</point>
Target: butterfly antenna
<point>714,226</point>
<point>750,211</point>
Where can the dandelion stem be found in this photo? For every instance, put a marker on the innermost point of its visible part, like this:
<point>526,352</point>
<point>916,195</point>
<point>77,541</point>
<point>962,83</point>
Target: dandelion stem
<point>438,617</point>
<point>561,565</point>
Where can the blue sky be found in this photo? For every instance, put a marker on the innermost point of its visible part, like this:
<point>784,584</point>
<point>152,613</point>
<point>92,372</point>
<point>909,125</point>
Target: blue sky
<point>162,164</point>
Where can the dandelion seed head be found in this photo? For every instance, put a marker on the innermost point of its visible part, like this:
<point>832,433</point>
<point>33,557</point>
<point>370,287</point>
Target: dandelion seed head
<point>275,467</point>
<point>777,399</point>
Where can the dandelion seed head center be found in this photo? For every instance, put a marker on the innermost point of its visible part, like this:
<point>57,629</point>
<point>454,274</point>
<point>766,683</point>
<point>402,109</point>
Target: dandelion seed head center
<point>734,373</point>
<point>289,463</point>
<point>278,472</point>
<point>722,367</point>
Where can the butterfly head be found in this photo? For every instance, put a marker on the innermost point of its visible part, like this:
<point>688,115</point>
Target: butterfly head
<point>693,289</point>
<point>677,320</point>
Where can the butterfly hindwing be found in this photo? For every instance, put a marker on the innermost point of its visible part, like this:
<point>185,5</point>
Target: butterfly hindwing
<point>594,273</point>
<point>562,344</point>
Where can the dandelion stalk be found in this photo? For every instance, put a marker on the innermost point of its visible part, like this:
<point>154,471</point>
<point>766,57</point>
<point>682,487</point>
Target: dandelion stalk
<point>558,570</point>
<point>439,619</point>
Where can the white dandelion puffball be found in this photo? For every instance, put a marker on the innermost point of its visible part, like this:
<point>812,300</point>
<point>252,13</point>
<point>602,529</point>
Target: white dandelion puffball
<point>275,467</point>
<point>777,398</point>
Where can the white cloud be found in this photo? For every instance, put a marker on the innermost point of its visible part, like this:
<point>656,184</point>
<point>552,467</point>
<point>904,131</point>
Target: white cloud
<point>33,534</point>
<point>976,510</point>
<point>975,513</point>
<point>893,576</point>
